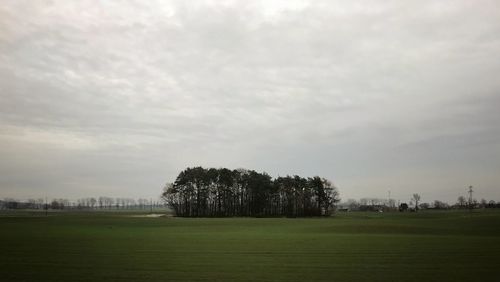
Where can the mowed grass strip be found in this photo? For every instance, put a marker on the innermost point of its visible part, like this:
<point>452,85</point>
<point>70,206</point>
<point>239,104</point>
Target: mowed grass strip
<point>431,246</point>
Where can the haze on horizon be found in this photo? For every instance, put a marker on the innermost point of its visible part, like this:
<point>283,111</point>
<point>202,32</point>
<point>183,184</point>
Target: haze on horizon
<point>115,98</point>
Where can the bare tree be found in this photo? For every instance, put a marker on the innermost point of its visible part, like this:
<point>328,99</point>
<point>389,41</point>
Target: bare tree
<point>491,204</point>
<point>93,202</point>
<point>416,199</point>
<point>461,201</point>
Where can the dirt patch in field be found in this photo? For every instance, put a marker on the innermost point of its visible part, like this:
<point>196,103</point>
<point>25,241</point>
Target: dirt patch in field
<point>151,215</point>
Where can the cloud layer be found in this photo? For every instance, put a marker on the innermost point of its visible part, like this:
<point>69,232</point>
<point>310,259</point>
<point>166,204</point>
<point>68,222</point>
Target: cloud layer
<point>116,98</point>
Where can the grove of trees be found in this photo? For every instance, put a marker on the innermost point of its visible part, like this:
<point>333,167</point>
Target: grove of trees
<point>201,192</point>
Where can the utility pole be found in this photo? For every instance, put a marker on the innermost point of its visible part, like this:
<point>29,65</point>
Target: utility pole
<point>46,206</point>
<point>470,198</point>
<point>151,204</point>
<point>389,203</point>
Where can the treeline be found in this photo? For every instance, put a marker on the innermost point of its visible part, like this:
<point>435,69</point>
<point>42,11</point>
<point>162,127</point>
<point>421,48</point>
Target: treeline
<point>376,204</point>
<point>113,203</point>
<point>200,192</point>
<point>91,203</point>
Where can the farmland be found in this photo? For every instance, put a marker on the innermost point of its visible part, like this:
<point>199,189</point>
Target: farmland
<point>113,246</point>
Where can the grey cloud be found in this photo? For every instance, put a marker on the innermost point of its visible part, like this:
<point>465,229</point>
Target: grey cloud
<point>118,97</point>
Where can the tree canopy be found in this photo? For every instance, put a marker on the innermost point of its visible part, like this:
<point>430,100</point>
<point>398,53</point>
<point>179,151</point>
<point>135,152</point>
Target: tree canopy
<point>201,192</point>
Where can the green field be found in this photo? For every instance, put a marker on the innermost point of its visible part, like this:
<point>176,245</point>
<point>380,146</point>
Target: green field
<point>426,246</point>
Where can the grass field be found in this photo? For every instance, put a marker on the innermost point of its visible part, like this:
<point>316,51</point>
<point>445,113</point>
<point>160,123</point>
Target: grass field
<point>426,246</point>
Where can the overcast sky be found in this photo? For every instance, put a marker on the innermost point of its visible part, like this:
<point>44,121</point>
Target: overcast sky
<point>115,98</point>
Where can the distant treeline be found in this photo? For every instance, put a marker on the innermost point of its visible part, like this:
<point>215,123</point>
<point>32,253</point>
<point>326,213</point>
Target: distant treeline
<point>200,192</point>
<point>91,203</point>
<point>376,204</point>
